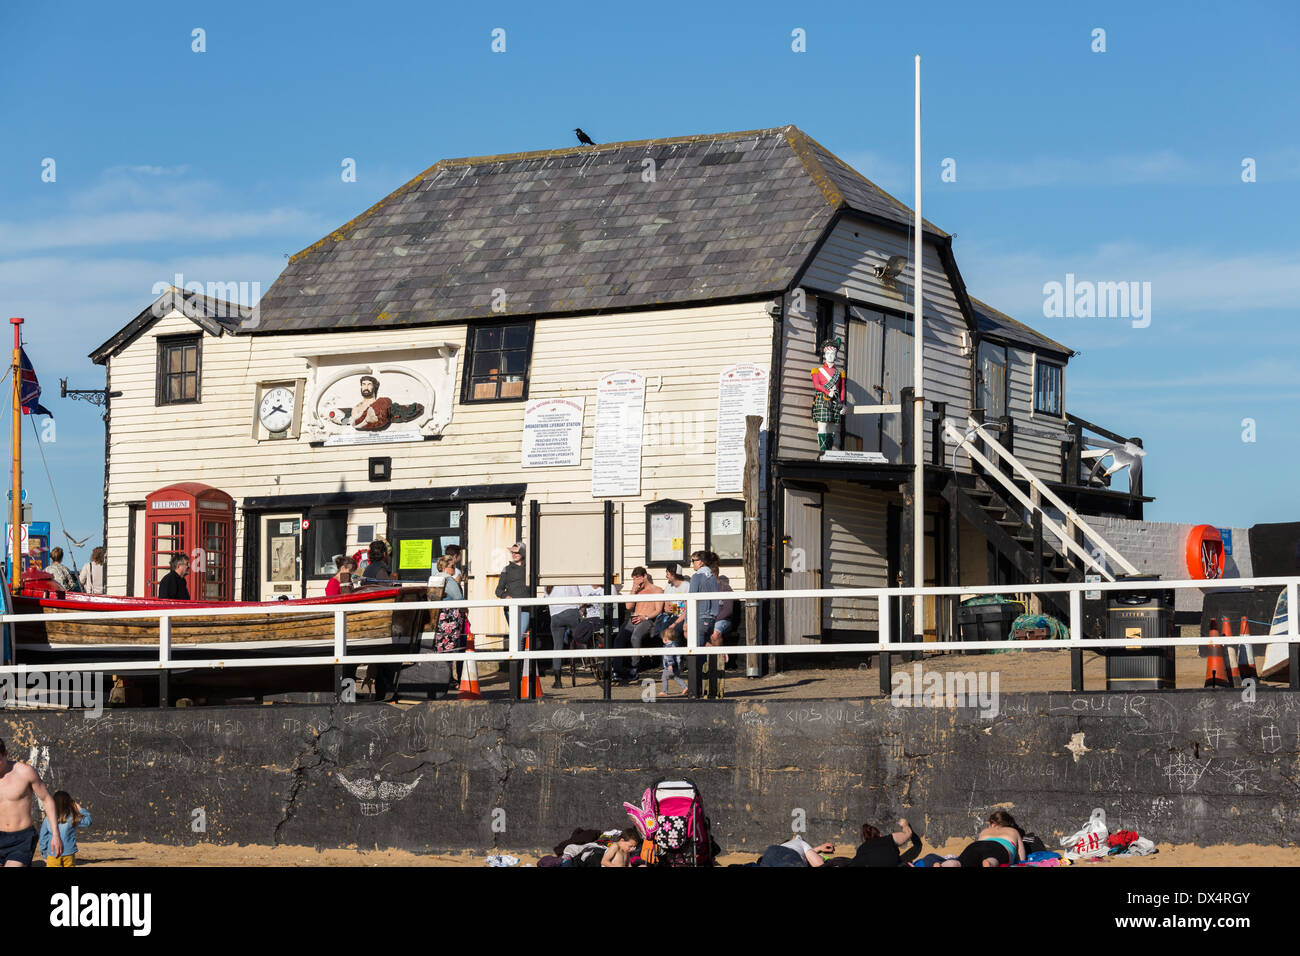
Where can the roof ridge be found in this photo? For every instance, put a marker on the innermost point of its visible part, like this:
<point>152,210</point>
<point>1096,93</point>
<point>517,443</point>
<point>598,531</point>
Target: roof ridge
<point>979,304</point>
<point>441,164</point>
<point>848,167</point>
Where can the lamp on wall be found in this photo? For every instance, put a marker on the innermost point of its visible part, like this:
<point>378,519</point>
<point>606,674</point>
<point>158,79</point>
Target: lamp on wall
<point>892,268</point>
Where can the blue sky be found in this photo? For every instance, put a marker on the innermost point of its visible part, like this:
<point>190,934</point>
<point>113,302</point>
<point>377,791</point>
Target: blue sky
<point>1117,166</point>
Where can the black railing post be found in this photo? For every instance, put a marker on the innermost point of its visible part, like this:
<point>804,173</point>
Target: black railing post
<point>977,416</point>
<point>907,398</point>
<point>1074,476</point>
<point>1007,439</point>
<point>936,433</point>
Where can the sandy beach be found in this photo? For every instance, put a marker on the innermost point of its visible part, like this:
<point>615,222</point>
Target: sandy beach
<point>150,854</point>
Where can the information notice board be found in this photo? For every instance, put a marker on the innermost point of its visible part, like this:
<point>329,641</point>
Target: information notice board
<point>616,445</point>
<point>553,432</point>
<point>742,391</point>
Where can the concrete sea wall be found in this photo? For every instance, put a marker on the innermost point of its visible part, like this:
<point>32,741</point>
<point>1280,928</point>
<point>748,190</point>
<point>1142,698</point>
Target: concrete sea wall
<point>1203,767</point>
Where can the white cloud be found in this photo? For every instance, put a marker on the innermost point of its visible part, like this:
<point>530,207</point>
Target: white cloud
<point>1159,168</point>
<point>1195,280</point>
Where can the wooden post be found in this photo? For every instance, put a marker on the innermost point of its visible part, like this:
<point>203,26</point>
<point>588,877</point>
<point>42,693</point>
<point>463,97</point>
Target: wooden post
<point>753,526</point>
<point>16,505</point>
<point>954,562</point>
<point>1074,463</point>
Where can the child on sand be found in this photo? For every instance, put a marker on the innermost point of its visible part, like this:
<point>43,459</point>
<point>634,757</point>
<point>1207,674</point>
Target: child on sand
<point>71,818</point>
<point>621,849</point>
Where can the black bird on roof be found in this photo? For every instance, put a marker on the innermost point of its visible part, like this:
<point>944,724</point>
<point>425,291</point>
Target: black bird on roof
<point>583,138</point>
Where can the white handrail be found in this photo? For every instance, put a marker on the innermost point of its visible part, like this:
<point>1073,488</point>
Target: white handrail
<point>1067,540</point>
<point>166,649</point>
<point>1041,487</point>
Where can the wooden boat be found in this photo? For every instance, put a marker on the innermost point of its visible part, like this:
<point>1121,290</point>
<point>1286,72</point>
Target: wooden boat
<point>224,635</point>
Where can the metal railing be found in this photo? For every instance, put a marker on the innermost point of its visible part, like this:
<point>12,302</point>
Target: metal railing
<point>166,661</point>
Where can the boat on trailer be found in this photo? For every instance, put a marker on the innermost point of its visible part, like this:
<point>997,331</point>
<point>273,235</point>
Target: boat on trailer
<point>202,635</point>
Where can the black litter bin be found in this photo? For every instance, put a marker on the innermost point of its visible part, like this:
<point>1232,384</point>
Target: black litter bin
<point>986,622</point>
<point>1137,615</point>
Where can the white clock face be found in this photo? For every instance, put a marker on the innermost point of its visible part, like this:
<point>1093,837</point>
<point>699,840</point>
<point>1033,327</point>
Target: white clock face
<point>276,410</point>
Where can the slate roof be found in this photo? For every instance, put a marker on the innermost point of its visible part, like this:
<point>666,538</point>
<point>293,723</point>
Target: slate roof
<point>727,216</point>
<point>1003,326</point>
<point>214,316</point>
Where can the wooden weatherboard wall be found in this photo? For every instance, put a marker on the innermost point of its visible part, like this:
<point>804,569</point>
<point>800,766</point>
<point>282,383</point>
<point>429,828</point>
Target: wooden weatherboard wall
<point>843,269</point>
<point>681,351</point>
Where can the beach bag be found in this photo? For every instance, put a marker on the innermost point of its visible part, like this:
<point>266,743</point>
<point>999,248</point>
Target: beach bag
<point>671,834</point>
<point>1090,840</point>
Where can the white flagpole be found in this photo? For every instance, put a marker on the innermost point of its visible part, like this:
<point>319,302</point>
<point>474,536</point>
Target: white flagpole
<point>918,375</point>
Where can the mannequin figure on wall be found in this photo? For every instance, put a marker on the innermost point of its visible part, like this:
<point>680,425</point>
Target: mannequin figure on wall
<point>828,402</point>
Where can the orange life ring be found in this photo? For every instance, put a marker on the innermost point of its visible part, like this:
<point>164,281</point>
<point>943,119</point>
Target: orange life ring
<point>1204,552</point>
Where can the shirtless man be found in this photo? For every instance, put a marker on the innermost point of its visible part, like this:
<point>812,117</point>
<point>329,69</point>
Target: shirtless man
<point>18,784</point>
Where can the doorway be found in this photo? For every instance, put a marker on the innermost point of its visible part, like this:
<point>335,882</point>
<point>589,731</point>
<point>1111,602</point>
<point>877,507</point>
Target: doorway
<point>879,367</point>
<point>803,565</point>
<point>282,557</point>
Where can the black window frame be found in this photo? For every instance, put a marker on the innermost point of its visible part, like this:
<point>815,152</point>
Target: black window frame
<point>467,374</point>
<point>1039,364</point>
<point>825,312</point>
<point>166,343</point>
<point>668,506</point>
<point>315,515</point>
<point>724,504</point>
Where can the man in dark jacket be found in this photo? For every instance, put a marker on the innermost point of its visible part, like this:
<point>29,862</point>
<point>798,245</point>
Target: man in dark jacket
<point>173,586</point>
<point>514,584</point>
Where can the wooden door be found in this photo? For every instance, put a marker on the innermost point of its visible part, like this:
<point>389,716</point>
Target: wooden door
<point>864,385</point>
<point>493,528</point>
<point>897,376</point>
<point>803,565</point>
<point>281,556</point>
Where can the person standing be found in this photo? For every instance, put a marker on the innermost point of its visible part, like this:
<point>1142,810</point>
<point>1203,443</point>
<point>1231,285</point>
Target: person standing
<point>18,838</point>
<point>703,582</point>
<point>172,587</point>
<point>64,579</point>
<point>564,618</point>
<point>71,817</point>
<point>449,633</point>
<point>513,583</point>
<point>377,568</point>
<point>92,573</point>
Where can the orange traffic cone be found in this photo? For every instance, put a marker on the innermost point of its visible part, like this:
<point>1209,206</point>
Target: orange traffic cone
<point>469,673</point>
<point>1245,655</point>
<point>1217,672</point>
<point>1229,650</point>
<point>529,685</point>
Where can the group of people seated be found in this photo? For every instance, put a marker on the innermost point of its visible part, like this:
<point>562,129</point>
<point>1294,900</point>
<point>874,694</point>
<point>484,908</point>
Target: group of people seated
<point>659,617</point>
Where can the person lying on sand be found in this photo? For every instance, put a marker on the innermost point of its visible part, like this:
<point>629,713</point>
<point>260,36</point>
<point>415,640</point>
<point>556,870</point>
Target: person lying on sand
<point>998,844</point>
<point>877,850</point>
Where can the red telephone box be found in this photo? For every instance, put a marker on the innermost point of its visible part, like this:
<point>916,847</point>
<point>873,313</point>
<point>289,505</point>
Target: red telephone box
<point>197,521</point>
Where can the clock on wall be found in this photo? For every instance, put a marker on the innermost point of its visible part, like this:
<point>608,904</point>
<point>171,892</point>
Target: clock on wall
<point>276,410</point>
<point>276,414</point>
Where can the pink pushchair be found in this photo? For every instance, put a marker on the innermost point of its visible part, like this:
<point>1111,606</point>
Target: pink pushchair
<point>672,824</point>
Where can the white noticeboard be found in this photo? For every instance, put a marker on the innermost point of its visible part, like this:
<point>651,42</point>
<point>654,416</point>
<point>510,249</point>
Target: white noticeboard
<point>553,432</point>
<point>742,391</point>
<point>616,445</point>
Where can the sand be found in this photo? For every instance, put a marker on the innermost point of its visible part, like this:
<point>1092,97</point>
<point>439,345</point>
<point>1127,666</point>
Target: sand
<point>151,854</point>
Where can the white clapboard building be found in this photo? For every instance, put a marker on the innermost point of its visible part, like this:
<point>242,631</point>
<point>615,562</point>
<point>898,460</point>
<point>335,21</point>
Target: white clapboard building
<point>561,347</point>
